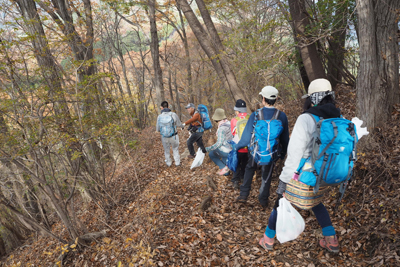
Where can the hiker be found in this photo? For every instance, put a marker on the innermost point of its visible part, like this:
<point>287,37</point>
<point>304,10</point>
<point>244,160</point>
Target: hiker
<point>219,151</point>
<point>195,129</point>
<point>268,96</point>
<point>237,129</point>
<point>319,101</point>
<point>167,123</point>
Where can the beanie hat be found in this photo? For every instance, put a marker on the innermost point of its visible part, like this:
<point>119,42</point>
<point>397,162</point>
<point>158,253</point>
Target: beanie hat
<point>240,106</point>
<point>219,114</point>
<point>318,89</point>
<point>269,92</point>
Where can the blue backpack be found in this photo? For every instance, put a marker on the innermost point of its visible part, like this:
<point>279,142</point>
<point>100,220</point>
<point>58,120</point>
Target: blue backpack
<point>264,143</point>
<point>206,122</point>
<point>166,124</point>
<point>333,154</point>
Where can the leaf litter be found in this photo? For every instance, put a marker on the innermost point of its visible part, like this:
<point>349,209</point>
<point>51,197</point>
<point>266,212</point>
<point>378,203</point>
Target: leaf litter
<point>158,220</point>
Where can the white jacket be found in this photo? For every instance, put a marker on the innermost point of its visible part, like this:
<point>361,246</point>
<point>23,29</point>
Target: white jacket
<point>299,146</point>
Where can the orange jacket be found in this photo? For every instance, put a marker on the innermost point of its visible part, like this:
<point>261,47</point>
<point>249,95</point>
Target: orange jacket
<point>194,121</point>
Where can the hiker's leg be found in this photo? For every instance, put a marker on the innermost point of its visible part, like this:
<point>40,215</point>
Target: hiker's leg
<point>266,174</point>
<point>200,143</point>
<point>248,178</point>
<point>223,157</point>
<point>242,162</point>
<point>190,143</point>
<point>175,149</point>
<point>271,228</point>
<point>215,157</point>
<point>166,145</point>
<point>324,220</point>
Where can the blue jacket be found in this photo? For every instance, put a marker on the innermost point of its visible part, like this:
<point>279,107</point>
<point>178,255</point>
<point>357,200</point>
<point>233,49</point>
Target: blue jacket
<point>268,113</point>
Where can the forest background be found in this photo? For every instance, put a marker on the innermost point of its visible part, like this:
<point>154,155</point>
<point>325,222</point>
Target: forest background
<point>80,80</point>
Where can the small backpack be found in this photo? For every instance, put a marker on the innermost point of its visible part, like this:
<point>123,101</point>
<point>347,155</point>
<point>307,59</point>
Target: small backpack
<point>239,128</point>
<point>206,122</point>
<point>264,144</point>
<point>166,124</point>
<point>333,154</point>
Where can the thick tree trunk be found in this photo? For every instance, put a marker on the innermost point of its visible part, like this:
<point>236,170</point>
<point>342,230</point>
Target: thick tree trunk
<point>155,53</point>
<point>308,50</point>
<point>336,53</point>
<point>378,77</point>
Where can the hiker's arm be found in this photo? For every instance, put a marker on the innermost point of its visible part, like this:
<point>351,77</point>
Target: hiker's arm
<point>284,137</point>
<point>157,126</point>
<point>195,118</point>
<point>299,146</point>
<point>177,121</point>
<point>220,140</point>
<point>246,135</point>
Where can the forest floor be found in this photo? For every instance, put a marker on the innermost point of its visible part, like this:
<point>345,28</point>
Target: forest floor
<point>156,219</point>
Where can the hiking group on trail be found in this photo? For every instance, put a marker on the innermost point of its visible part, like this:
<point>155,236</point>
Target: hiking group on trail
<point>320,153</point>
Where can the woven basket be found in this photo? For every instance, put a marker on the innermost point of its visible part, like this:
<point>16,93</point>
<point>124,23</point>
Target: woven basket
<point>303,196</point>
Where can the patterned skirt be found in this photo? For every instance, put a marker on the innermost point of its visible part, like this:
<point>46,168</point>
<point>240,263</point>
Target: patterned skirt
<point>303,196</point>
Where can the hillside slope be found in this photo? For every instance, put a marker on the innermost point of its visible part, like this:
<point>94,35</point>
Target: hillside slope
<point>157,220</point>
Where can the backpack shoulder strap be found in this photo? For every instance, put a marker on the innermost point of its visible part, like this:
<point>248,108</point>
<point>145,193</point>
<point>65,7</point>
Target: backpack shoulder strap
<point>314,117</point>
<point>259,115</point>
<point>276,114</point>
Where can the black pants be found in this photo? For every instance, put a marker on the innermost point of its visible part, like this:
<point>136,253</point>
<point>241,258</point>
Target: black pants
<point>266,174</point>
<point>198,138</point>
<point>241,167</point>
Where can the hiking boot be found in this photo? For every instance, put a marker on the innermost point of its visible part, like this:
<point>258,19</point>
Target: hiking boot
<point>267,243</point>
<point>331,243</point>
<point>191,156</point>
<point>241,199</point>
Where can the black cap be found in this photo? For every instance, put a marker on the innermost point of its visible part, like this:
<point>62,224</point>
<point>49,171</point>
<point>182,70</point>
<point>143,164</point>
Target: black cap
<point>240,103</point>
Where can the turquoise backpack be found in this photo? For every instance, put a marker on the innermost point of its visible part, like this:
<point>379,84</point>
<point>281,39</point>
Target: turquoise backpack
<point>333,154</point>
<point>264,144</point>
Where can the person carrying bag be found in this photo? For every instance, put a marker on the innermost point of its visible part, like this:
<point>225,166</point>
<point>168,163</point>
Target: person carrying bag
<point>320,101</point>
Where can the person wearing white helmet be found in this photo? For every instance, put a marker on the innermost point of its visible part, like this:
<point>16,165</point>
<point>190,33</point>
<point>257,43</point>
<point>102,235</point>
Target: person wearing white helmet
<point>319,101</point>
<point>268,95</point>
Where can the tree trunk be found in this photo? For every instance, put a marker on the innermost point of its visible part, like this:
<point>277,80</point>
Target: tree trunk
<point>188,59</point>
<point>218,60</point>
<point>155,53</point>
<point>308,50</point>
<point>378,77</point>
<point>171,94</point>
<point>178,102</point>
<point>216,40</point>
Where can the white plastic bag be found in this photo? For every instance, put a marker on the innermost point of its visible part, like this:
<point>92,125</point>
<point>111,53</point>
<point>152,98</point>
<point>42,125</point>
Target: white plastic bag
<point>361,131</point>
<point>198,160</point>
<point>289,224</point>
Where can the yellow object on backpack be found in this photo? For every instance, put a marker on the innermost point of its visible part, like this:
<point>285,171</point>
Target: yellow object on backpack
<point>240,125</point>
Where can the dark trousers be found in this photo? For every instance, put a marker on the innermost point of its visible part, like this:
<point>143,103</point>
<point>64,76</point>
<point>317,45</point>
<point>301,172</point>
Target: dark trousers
<point>321,213</point>
<point>198,138</point>
<point>238,175</point>
<point>266,174</point>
